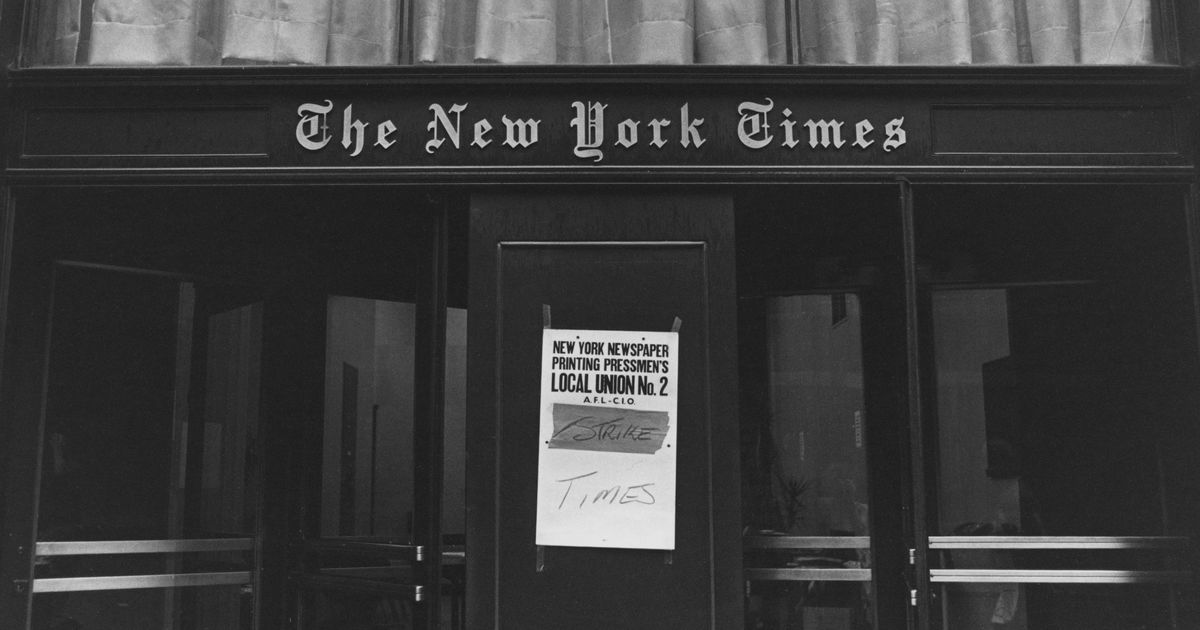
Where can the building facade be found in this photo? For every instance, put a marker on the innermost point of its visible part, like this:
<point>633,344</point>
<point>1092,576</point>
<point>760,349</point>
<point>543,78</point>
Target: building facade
<point>908,291</point>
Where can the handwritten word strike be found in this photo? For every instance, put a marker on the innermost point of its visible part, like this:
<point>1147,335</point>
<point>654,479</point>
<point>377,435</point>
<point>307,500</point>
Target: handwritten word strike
<point>590,428</point>
<point>609,429</point>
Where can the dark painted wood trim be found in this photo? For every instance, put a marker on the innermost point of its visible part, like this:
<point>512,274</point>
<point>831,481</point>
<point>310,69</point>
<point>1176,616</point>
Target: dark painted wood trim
<point>680,76</point>
<point>560,176</point>
<point>428,412</point>
<point>919,566</point>
<point>1192,211</point>
<point>482,607</point>
<point>293,377</point>
<point>8,599</point>
<point>1081,122</point>
<point>885,370</point>
<point>22,407</point>
<point>725,491</point>
<point>7,227</point>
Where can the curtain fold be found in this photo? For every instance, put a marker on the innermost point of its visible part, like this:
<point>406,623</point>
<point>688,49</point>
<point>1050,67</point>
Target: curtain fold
<point>848,32</point>
<point>364,33</point>
<point>583,33</point>
<point>516,31</point>
<point>731,32</point>
<point>1052,36</point>
<point>58,39</point>
<point>1115,31</point>
<point>652,31</point>
<point>369,32</point>
<point>276,31</point>
<point>143,32</point>
<point>993,32</point>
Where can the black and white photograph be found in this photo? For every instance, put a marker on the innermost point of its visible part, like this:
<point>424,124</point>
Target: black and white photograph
<point>599,314</point>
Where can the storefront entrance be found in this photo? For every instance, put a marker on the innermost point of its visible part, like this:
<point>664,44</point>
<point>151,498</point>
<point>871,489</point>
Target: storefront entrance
<point>925,406</point>
<point>236,400</point>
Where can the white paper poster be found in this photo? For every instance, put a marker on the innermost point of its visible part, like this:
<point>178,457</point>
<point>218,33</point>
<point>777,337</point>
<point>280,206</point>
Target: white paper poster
<point>607,450</point>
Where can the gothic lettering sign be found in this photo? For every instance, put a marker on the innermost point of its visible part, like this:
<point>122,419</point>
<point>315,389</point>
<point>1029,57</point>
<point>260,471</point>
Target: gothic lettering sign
<point>597,132</point>
<point>606,464</point>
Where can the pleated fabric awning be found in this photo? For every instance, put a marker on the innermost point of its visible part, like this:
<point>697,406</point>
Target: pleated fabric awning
<point>373,32</point>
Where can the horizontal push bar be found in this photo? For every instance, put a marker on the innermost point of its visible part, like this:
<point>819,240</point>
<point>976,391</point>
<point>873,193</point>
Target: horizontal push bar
<point>128,582</point>
<point>113,547</point>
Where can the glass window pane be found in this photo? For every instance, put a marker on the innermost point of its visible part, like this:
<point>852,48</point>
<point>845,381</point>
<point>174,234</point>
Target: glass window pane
<point>454,473</point>
<point>111,383</point>
<point>388,32</point>
<point>337,610</point>
<point>151,434</point>
<point>1063,350</point>
<point>808,479</point>
<point>815,394</point>
<point>1064,363</point>
<point>1038,434</point>
<point>1058,606</point>
<point>229,495</point>
<point>818,356</point>
<point>176,417</point>
<point>367,468</point>
<point>196,608</point>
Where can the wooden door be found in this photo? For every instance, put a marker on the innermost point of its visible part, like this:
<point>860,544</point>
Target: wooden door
<point>603,262</point>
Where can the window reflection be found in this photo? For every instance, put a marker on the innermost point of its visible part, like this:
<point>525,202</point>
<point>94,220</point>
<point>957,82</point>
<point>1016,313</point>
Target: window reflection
<point>1039,428</point>
<point>1055,606</point>
<point>367,469</point>
<point>979,489</point>
<point>120,376</point>
<point>224,607</point>
<point>805,476</point>
<point>815,394</point>
<point>132,454</point>
<point>454,473</point>
<point>1040,435</point>
<point>454,438</point>
<point>230,486</point>
<point>367,480</point>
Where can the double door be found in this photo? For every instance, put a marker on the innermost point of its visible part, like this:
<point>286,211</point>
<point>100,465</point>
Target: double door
<point>939,407</point>
<point>970,410</point>
<point>220,413</point>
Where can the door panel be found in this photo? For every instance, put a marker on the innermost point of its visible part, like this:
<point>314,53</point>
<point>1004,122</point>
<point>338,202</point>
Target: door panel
<point>616,263</point>
<point>162,426</point>
<point>146,514</point>
<point>1061,385</point>
<point>823,369</point>
<point>808,539</point>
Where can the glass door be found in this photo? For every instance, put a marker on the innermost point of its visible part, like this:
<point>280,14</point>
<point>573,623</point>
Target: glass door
<point>148,505</point>
<point>821,361</point>
<point>366,553</point>
<point>1060,370</point>
<point>223,411</point>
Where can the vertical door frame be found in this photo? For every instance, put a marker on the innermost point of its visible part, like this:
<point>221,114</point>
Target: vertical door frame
<point>887,364</point>
<point>29,284</point>
<point>296,469</point>
<point>917,574</point>
<point>429,415</point>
